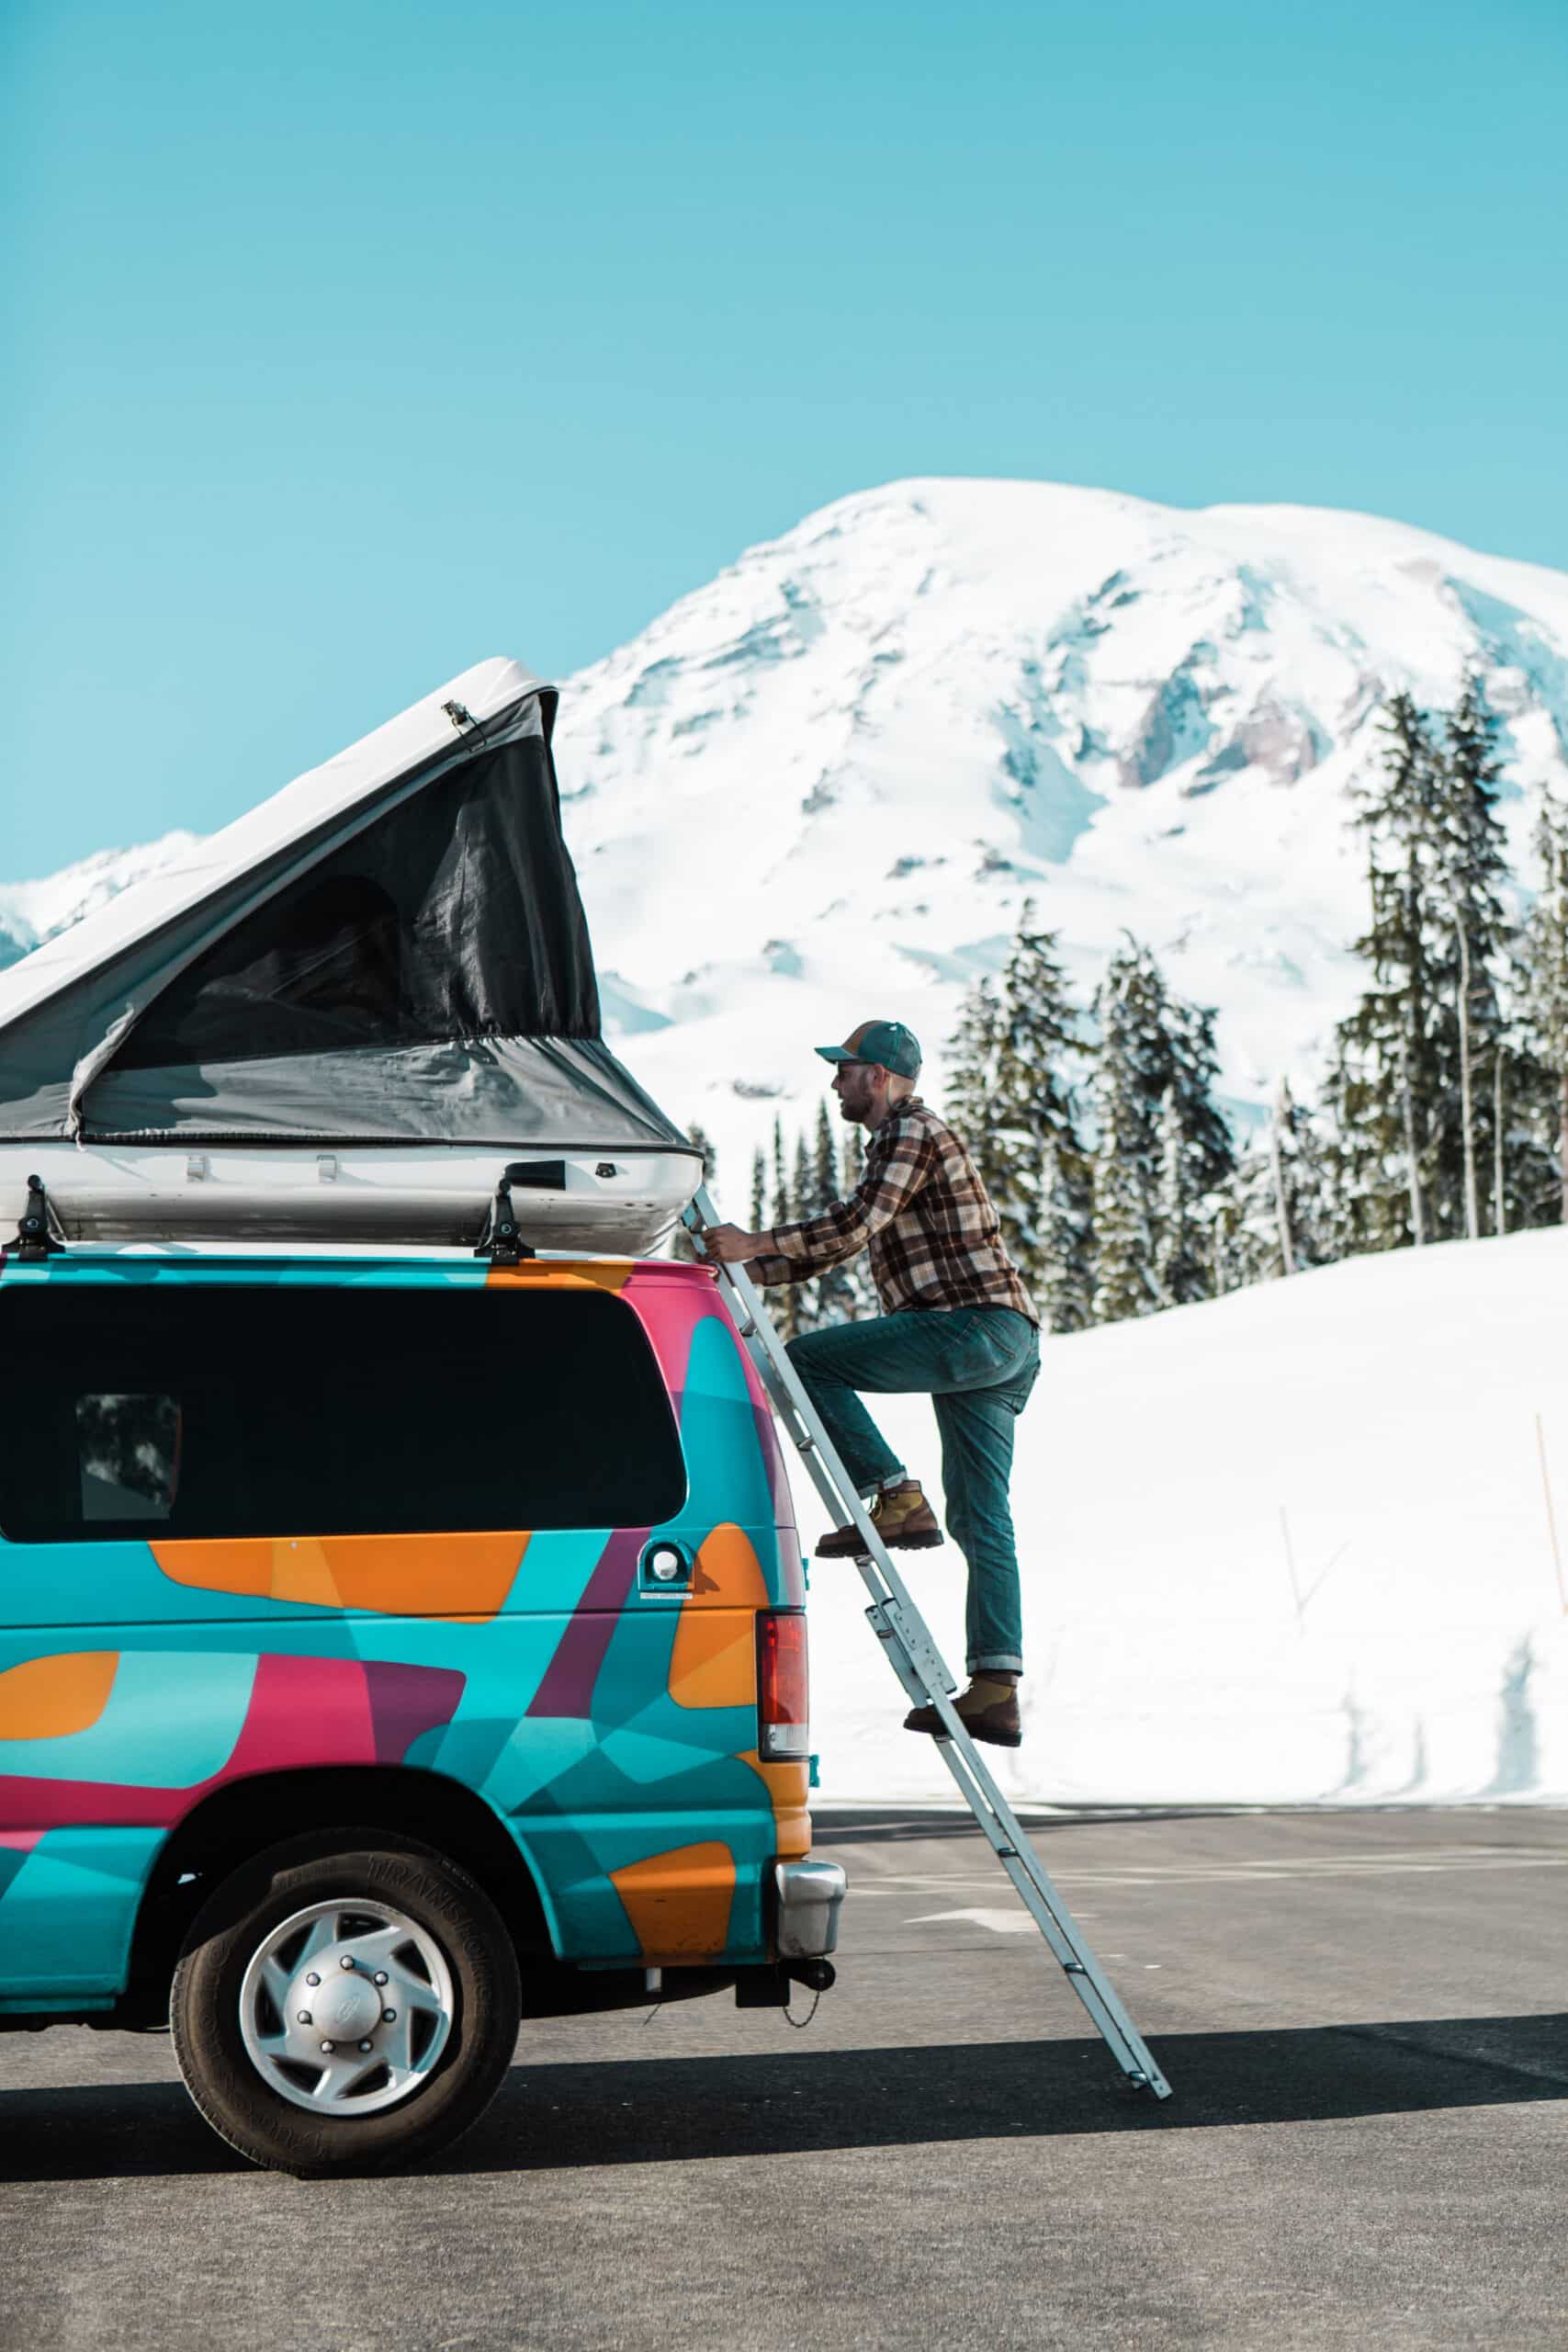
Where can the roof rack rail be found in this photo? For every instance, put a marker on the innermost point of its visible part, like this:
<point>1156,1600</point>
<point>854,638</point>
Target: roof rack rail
<point>319,1192</point>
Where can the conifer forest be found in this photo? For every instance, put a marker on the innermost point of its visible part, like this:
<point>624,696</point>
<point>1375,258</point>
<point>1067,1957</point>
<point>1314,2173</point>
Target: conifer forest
<point>1439,1112</point>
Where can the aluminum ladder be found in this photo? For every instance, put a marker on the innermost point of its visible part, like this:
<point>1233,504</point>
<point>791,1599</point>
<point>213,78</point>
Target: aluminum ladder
<point>919,1666</point>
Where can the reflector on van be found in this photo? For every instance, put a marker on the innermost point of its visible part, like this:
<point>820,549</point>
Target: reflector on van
<point>784,1725</point>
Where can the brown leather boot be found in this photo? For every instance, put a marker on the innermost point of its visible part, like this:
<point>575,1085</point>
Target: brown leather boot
<point>904,1520</point>
<point>988,1711</point>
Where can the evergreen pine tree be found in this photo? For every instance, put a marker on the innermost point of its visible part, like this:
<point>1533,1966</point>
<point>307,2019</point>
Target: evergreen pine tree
<point>803,1195</point>
<point>783,1209</point>
<point>1179,1276</point>
<point>1472,875</point>
<point>1273,1215</point>
<point>1154,1047</point>
<point>1222,1218</point>
<point>1544,960</point>
<point>858,1290</point>
<point>1063,1286</point>
<point>1036,1166</point>
<point>1433,1086</point>
<point>1341,1157</point>
<point>803,1189</point>
<point>1302,1184</point>
<point>824,1159</point>
<point>839,1295</point>
<point>972,1079</point>
<point>759,1191</point>
<point>1387,1083</point>
<point>787,1304</point>
<point>1123,1240</point>
<point>1011,1097</point>
<point>1191,1068</point>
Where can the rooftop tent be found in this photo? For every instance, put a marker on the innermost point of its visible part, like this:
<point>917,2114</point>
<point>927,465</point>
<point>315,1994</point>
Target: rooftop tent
<point>389,952</point>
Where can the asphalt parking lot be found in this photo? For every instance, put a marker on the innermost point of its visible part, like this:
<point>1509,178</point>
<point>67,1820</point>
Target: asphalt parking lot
<point>1362,2017</point>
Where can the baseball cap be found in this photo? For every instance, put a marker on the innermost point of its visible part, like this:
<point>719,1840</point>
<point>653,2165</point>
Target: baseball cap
<point>887,1042</point>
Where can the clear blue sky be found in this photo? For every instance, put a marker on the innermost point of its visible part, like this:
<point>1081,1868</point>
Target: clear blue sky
<point>348,343</point>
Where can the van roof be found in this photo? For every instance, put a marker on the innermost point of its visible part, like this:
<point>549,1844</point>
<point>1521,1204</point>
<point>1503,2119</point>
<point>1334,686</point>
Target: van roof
<point>85,1255</point>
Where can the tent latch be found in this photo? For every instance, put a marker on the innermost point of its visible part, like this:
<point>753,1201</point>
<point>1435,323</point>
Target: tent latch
<point>460,715</point>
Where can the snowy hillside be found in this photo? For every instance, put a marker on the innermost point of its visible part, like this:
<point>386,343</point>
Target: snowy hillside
<point>31,912</point>
<point>1363,1439</point>
<point>821,787</point>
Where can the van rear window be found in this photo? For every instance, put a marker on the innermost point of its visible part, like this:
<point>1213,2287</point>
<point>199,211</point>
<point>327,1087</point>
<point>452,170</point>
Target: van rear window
<point>150,1409</point>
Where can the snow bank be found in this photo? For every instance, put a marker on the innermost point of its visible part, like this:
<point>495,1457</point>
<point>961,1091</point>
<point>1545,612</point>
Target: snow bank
<point>1294,1545</point>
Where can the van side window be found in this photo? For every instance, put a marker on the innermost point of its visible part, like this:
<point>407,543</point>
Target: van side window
<point>207,1409</point>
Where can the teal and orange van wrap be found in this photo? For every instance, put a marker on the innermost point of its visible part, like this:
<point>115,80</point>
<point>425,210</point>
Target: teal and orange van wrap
<point>610,1725</point>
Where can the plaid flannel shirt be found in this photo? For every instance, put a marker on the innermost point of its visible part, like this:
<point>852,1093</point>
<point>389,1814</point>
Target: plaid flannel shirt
<point>921,1210</point>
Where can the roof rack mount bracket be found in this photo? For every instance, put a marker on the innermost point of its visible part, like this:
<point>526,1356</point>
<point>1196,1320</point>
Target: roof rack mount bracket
<point>34,1239</point>
<point>500,1241</point>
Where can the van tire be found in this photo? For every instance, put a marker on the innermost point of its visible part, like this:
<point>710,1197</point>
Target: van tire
<point>442,1903</point>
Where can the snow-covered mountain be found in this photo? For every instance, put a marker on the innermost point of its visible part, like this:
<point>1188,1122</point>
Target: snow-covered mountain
<point>31,912</point>
<point>821,787</point>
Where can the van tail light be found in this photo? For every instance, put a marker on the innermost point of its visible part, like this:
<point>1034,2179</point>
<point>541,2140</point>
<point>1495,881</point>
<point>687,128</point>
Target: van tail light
<point>784,1725</point>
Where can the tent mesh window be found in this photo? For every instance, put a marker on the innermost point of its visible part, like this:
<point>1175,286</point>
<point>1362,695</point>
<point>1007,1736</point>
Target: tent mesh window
<point>216,1411</point>
<point>455,915</point>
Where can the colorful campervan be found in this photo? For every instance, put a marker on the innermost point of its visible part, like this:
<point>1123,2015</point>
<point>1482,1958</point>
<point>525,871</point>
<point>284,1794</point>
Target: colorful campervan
<point>387,1644</point>
<point>395,1639</point>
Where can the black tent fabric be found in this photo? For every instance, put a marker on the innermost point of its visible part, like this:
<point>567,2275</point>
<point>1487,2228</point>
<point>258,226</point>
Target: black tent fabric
<point>457,916</point>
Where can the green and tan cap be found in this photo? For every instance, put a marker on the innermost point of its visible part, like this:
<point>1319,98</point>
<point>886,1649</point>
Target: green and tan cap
<point>887,1042</point>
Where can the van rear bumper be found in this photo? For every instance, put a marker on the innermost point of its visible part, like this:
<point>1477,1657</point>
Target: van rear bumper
<point>809,1894</point>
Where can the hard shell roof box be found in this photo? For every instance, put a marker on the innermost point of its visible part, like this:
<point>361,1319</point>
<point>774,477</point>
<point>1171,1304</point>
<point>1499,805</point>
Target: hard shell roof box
<point>341,1016</point>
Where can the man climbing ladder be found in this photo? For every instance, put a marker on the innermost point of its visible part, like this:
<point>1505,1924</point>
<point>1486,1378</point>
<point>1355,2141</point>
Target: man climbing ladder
<point>958,1324</point>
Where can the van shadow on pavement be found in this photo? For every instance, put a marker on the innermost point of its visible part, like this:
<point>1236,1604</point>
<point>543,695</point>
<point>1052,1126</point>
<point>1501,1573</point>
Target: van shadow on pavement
<point>556,2117</point>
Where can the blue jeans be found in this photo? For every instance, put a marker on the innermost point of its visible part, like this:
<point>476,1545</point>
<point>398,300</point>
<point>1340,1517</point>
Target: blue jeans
<point>977,1365</point>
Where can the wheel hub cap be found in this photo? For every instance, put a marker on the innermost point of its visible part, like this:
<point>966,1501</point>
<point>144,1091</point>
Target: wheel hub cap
<point>350,2009</point>
<point>345,2007</point>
